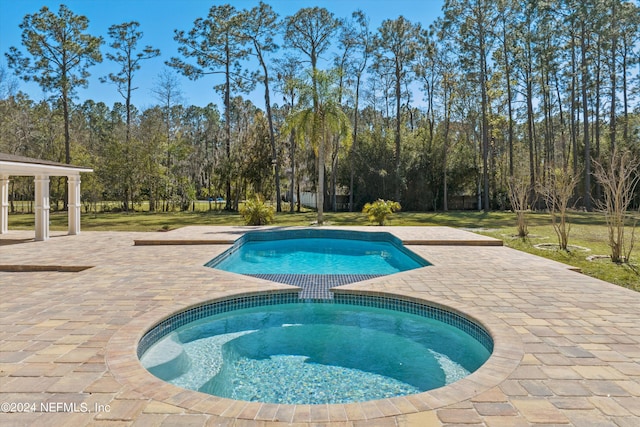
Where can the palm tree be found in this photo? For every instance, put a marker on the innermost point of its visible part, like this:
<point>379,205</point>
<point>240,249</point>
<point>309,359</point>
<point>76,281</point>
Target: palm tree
<point>319,125</point>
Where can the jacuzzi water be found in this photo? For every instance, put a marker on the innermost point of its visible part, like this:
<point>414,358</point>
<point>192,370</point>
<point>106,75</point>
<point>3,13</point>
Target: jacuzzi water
<point>316,252</point>
<point>313,353</point>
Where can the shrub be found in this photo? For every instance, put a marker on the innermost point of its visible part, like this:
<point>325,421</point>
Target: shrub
<point>557,192</point>
<point>519,193</point>
<point>256,212</point>
<point>380,210</point>
<point>619,180</point>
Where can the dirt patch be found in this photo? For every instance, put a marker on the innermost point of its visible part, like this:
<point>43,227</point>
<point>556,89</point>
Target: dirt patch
<point>556,247</point>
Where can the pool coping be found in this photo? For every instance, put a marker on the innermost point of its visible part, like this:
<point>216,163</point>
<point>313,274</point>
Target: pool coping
<point>185,236</point>
<point>408,242</point>
<point>122,360</point>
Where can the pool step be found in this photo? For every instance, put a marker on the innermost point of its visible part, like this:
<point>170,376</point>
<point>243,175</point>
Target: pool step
<point>167,360</point>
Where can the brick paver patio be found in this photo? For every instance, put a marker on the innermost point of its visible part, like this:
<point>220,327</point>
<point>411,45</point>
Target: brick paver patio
<point>567,347</point>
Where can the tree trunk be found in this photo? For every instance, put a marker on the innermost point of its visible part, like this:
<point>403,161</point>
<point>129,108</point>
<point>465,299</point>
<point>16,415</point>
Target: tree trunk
<point>67,139</point>
<point>485,124</point>
<point>447,112</point>
<point>272,138</point>
<point>397,176</point>
<point>334,176</point>
<point>612,113</point>
<point>531,131</point>
<point>227,126</point>
<point>320,189</point>
<point>507,71</point>
<point>563,140</point>
<point>597,112</point>
<point>585,115</point>
<point>354,144</point>
<point>293,171</point>
<point>625,95</point>
<point>574,104</point>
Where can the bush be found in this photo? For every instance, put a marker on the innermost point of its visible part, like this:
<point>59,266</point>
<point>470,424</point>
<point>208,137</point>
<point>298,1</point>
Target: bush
<point>256,212</point>
<point>519,194</point>
<point>557,192</point>
<point>619,180</point>
<point>380,210</point>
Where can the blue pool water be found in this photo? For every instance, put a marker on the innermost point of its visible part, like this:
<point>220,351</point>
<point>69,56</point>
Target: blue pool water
<point>317,252</point>
<point>313,353</point>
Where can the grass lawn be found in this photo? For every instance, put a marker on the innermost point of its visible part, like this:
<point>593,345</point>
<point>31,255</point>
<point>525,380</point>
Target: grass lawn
<point>588,232</point>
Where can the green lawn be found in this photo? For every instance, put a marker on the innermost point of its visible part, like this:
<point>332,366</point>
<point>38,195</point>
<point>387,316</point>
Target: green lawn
<point>588,232</point>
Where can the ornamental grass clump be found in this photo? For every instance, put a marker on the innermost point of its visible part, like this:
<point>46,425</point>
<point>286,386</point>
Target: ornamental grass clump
<point>380,210</point>
<point>256,212</point>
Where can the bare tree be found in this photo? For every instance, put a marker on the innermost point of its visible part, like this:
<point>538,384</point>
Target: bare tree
<point>618,180</point>
<point>520,197</point>
<point>519,194</point>
<point>557,193</point>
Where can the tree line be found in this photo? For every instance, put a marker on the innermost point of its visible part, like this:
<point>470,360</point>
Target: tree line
<point>435,117</point>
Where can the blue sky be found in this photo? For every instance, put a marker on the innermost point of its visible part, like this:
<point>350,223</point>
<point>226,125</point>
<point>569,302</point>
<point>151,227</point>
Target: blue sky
<point>159,18</point>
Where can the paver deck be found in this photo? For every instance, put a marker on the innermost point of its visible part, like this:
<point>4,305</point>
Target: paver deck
<point>567,347</point>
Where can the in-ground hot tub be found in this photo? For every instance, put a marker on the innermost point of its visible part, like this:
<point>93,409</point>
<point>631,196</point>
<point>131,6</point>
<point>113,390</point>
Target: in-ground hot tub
<point>277,348</point>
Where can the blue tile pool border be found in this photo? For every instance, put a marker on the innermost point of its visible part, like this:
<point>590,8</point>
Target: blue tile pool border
<point>420,308</point>
<point>316,286</point>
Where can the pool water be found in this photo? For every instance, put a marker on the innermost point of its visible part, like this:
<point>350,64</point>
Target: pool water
<point>318,255</point>
<point>313,353</point>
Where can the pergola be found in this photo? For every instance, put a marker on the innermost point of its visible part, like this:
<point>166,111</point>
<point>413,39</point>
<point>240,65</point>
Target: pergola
<point>11,165</point>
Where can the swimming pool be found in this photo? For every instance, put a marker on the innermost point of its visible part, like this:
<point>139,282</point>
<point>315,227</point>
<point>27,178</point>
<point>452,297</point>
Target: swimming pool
<point>277,349</point>
<point>317,252</point>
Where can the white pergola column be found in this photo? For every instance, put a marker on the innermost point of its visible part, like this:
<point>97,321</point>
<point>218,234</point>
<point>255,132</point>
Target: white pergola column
<point>74,203</point>
<point>4,204</point>
<point>42,207</point>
